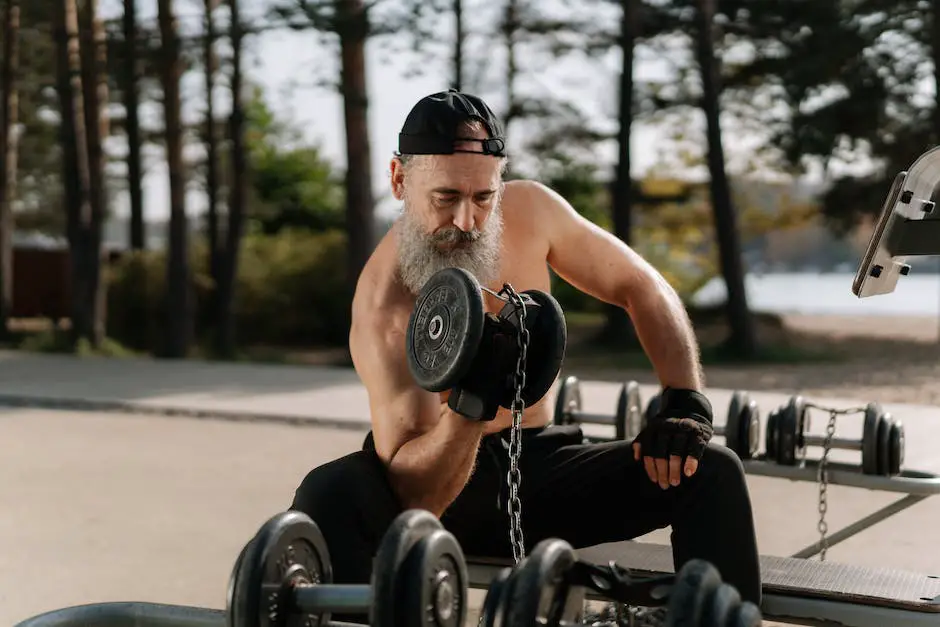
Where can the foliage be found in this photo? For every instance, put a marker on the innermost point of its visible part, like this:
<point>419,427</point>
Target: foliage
<point>289,291</point>
<point>293,185</point>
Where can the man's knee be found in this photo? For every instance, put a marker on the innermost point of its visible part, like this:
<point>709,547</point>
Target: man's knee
<point>722,464</point>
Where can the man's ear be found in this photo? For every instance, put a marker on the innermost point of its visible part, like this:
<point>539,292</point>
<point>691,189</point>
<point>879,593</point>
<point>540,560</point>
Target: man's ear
<point>398,178</point>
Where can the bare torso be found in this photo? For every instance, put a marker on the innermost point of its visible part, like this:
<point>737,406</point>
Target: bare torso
<point>524,266</point>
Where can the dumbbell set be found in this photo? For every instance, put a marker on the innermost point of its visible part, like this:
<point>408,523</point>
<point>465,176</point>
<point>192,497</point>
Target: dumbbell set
<point>741,430</point>
<point>881,445</point>
<point>786,440</point>
<point>283,577</point>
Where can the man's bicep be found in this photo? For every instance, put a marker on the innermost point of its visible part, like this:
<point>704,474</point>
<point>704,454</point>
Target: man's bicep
<point>400,410</point>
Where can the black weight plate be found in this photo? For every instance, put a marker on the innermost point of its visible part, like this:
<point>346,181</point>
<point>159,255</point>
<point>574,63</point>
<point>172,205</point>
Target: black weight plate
<point>870,439</point>
<point>548,335</point>
<point>288,548</point>
<point>629,419</point>
<point>896,448</point>
<point>401,536</point>
<point>884,443</point>
<point>773,425</point>
<point>433,583</point>
<point>231,596</point>
<point>733,439</point>
<point>695,585</point>
<point>802,421</point>
<point>540,594</point>
<point>567,401</point>
<point>492,613</point>
<point>750,429</point>
<point>788,435</point>
<point>444,329</point>
<point>748,615</point>
<point>722,606</point>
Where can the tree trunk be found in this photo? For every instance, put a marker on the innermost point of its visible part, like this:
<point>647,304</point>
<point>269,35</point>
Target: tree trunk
<point>8,153</point>
<point>619,329</point>
<point>95,95</point>
<point>74,164</point>
<point>459,36</point>
<point>225,332</point>
<point>935,53</point>
<point>510,27</point>
<point>212,168</point>
<point>742,340</point>
<point>360,204</point>
<point>177,277</point>
<point>131,107</point>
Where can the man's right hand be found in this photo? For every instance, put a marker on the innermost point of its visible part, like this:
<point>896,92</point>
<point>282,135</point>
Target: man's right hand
<point>477,395</point>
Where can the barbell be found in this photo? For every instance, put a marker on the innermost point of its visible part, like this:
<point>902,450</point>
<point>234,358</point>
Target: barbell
<point>283,576</point>
<point>548,588</point>
<point>881,445</point>
<point>741,431</point>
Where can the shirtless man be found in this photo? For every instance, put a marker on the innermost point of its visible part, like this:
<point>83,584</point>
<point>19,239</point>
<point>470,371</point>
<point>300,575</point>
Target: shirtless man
<point>459,212</point>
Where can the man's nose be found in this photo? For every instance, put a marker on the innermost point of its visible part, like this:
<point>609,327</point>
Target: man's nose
<point>463,217</point>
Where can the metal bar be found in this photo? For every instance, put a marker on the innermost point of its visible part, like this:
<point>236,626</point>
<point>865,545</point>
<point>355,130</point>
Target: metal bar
<point>795,610</point>
<point>591,419</point>
<point>849,475</point>
<point>130,614</point>
<point>847,444</point>
<point>914,238</point>
<point>334,598</point>
<point>861,524</point>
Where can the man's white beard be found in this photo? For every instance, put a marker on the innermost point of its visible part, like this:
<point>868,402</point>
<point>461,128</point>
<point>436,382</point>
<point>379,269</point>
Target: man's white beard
<point>419,257</point>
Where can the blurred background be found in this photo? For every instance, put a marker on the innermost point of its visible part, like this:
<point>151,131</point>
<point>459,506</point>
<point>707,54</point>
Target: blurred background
<point>188,178</point>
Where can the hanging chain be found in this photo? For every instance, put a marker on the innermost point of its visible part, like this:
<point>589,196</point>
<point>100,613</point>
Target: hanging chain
<point>823,478</point>
<point>822,473</point>
<point>514,476</point>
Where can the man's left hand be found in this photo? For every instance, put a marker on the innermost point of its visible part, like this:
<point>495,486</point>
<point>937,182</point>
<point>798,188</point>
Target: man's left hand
<point>673,442</point>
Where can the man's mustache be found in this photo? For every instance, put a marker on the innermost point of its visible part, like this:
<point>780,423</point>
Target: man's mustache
<point>454,235</point>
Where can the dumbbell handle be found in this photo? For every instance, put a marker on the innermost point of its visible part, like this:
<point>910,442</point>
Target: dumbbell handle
<point>589,418</point>
<point>333,598</point>
<point>839,443</point>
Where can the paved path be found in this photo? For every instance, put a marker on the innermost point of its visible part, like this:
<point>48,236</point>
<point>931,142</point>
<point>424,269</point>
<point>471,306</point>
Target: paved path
<point>102,506</point>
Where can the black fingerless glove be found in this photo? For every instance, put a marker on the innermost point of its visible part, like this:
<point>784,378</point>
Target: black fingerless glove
<point>477,395</point>
<point>682,426</point>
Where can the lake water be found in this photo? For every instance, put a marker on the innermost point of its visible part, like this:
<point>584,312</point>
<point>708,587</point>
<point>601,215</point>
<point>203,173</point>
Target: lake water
<point>917,295</point>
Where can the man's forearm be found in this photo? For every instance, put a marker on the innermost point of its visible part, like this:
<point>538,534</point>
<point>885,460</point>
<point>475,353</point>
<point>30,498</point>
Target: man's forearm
<point>428,472</point>
<point>666,334</point>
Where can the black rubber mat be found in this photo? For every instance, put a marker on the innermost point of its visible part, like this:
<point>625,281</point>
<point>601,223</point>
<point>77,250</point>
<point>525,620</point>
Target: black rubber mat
<point>789,576</point>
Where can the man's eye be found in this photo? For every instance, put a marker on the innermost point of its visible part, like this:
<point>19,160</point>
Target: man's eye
<point>446,199</point>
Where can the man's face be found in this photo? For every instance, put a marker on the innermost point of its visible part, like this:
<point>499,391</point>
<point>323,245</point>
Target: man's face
<point>451,215</point>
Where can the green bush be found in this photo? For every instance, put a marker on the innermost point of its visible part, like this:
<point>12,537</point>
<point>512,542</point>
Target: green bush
<point>290,290</point>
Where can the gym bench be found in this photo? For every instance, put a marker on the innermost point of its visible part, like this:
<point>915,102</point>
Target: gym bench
<point>795,590</point>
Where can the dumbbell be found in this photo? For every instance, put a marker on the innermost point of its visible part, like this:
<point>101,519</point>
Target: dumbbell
<point>541,591</point>
<point>882,443</point>
<point>741,429</point>
<point>627,419</point>
<point>283,576</point>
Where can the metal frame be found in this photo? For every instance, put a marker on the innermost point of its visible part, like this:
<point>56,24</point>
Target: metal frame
<point>909,226</point>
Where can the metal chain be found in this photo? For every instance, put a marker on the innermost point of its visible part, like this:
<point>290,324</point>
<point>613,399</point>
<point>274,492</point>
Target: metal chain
<point>514,476</point>
<point>822,473</point>
<point>823,478</point>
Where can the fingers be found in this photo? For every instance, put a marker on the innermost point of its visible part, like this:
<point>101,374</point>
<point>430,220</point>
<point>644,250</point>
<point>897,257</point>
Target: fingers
<point>675,469</point>
<point>662,472</point>
<point>650,467</point>
<point>691,465</point>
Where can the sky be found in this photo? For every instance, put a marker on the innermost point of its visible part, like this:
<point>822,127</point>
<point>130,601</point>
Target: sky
<point>287,63</point>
